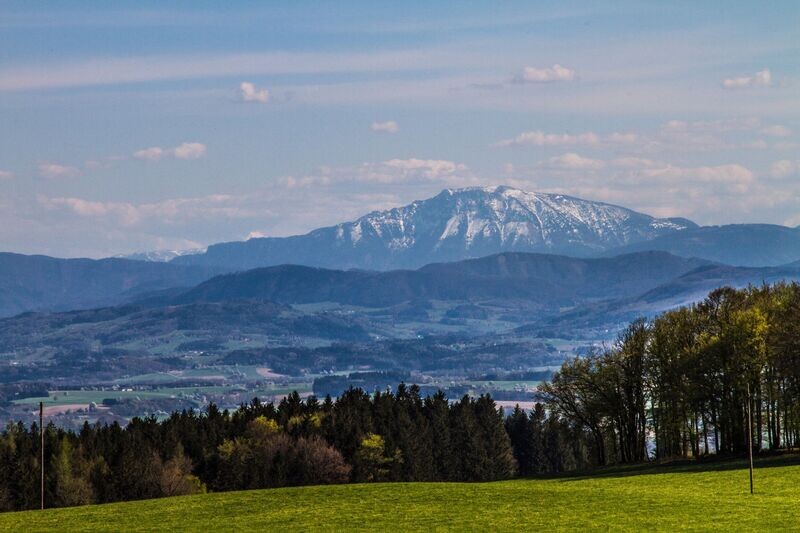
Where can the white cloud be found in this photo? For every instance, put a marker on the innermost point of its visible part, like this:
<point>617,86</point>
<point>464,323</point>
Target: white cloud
<point>697,136</point>
<point>732,174</point>
<point>623,138</point>
<point>150,154</point>
<point>167,211</point>
<point>540,138</point>
<point>777,131</point>
<point>184,151</point>
<point>292,182</point>
<point>633,162</point>
<point>249,93</point>
<point>255,234</point>
<point>6,175</point>
<point>762,78</point>
<point>394,172</point>
<point>713,126</point>
<point>190,151</point>
<point>573,161</point>
<point>783,169</point>
<point>54,170</point>
<point>429,168</point>
<point>642,176</point>
<point>390,126</point>
<point>547,74</point>
<point>726,193</point>
<point>127,214</point>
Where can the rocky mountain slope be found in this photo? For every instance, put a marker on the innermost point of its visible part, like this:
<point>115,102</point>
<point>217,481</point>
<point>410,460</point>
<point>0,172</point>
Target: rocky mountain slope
<point>454,225</point>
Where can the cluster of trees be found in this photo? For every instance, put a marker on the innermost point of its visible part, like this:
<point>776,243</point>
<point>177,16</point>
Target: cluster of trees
<point>681,385</point>
<point>397,436</point>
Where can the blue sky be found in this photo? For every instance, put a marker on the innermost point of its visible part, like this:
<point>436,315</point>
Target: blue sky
<point>162,125</point>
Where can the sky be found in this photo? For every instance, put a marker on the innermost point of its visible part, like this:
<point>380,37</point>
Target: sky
<point>138,126</point>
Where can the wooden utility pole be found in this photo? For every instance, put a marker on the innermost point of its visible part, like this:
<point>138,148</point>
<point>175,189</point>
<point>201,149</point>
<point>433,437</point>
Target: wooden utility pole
<point>750,437</point>
<point>41,447</point>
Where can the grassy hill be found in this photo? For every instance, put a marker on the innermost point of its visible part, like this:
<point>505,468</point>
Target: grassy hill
<point>711,497</point>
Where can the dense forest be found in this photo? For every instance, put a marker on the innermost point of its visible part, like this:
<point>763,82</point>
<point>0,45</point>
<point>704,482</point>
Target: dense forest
<point>357,437</point>
<point>679,386</point>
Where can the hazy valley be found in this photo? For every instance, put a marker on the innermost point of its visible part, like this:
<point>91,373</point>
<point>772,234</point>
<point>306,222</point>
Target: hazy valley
<point>198,328</point>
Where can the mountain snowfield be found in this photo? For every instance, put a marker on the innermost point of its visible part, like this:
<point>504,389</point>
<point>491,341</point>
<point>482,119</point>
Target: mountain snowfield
<point>453,225</point>
<point>160,256</point>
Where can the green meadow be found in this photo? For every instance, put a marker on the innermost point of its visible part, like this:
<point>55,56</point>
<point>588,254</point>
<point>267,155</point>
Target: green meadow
<point>667,498</point>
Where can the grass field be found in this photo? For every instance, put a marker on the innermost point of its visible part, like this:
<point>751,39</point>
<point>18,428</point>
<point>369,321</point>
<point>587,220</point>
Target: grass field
<point>713,497</point>
<point>71,397</point>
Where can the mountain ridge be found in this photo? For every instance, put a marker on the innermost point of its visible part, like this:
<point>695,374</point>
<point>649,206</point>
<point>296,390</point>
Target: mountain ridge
<point>43,283</point>
<point>548,279</point>
<point>455,224</point>
<point>746,245</point>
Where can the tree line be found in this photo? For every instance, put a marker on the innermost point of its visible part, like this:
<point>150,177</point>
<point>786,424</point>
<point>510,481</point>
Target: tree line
<point>680,386</point>
<point>357,437</point>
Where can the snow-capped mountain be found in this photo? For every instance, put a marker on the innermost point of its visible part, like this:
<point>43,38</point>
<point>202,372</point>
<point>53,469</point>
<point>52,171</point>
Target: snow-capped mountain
<point>161,256</point>
<point>453,225</point>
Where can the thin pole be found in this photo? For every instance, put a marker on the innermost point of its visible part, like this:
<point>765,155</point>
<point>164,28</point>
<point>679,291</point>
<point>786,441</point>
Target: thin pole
<point>750,437</point>
<point>41,446</point>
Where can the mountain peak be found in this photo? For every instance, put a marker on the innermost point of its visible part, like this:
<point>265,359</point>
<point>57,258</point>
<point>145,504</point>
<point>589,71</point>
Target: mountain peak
<point>455,224</point>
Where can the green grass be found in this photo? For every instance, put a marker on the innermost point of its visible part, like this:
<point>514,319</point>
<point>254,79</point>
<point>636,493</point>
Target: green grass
<point>713,497</point>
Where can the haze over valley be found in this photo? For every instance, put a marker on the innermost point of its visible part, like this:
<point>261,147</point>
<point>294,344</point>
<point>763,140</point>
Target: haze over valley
<point>447,291</point>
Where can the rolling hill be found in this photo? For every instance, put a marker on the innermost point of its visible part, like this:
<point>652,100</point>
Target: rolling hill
<point>754,245</point>
<point>37,282</point>
<point>685,289</point>
<point>549,280</point>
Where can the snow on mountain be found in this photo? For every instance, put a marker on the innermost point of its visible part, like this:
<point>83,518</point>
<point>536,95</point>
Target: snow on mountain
<point>161,256</point>
<point>453,225</point>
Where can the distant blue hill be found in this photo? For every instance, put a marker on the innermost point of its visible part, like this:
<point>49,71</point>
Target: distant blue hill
<point>755,245</point>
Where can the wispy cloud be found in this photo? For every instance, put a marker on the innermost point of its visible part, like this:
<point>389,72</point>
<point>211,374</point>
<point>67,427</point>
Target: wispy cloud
<point>433,169</point>
<point>705,193</point>
<point>168,211</point>
<point>777,131</point>
<point>762,78</point>
<point>390,126</point>
<point>6,174</point>
<point>541,138</point>
<point>572,161</point>
<point>193,150</point>
<point>784,168</point>
<point>546,74</point>
<point>111,71</point>
<point>56,170</point>
<point>395,172</point>
<point>673,135</point>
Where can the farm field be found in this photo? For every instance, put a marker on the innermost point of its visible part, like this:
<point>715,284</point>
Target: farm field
<point>688,497</point>
<point>57,398</point>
